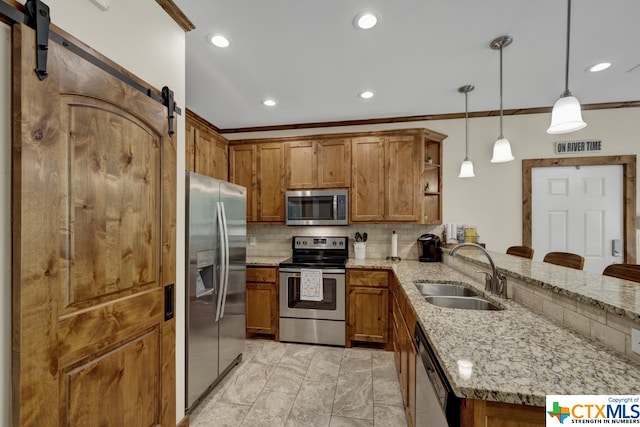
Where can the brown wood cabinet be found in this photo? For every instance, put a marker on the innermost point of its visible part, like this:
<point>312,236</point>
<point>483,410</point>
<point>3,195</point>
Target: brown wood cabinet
<point>322,163</point>
<point>206,149</point>
<point>262,301</point>
<point>259,167</point>
<point>403,321</point>
<point>389,176</point>
<point>386,173</point>
<point>300,158</point>
<point>432,175</point>
<point>482,413</point>
<point>403,180</point>
<point>367,179</point>
<point>270,182</point>
<point>368,306</point>
<point>242,171</point>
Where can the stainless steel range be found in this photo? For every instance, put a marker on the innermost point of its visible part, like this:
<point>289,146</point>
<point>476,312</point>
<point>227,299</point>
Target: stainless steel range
<point>317,266</point>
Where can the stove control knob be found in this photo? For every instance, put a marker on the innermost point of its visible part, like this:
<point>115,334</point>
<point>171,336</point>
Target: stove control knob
<point>341,243</point>
<point>334,243</point>
<point>304,242</point>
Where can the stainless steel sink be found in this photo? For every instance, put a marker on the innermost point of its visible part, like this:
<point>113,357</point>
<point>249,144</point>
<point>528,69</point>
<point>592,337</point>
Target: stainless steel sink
<point>446,289</point>
<point>465,303</point>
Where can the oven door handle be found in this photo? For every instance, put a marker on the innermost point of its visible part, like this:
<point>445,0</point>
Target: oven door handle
<point>296,271</point>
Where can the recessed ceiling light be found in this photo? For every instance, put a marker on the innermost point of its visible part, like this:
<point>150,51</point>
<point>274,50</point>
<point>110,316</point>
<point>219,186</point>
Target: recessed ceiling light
<point>269,102</point>
<point>366,94</point>
<point>366,20</point>
<point>599,67</point>
<point>218,40</point>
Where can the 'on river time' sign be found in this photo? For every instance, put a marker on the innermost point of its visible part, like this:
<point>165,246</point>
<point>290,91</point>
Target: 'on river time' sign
<point>569,147</point>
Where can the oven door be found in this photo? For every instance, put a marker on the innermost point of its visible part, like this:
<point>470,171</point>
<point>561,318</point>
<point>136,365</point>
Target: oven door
<point>332,306</point>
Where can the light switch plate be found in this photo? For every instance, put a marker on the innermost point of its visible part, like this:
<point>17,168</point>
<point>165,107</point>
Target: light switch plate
<point>635,340</point>
<point>252,240</point>
<point>103,5</point>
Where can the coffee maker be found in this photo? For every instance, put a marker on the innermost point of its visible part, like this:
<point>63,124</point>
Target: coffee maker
<point>429,248</point>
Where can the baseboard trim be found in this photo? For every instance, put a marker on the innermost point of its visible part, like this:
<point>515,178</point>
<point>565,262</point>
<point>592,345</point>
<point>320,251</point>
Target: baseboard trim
<point>184,422</point>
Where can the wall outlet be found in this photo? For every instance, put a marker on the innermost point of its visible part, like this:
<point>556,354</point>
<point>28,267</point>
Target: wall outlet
<point>635,340</point>
<point>252,240</point>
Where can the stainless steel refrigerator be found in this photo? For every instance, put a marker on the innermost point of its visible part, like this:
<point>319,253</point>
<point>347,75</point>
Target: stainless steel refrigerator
<point>216,273</point>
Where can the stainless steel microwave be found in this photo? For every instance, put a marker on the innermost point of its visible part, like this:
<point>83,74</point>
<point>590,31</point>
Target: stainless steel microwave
<point>317,207</point>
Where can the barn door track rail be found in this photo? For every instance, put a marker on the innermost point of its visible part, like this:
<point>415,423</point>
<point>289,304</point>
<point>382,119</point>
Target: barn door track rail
<point>36,15</point>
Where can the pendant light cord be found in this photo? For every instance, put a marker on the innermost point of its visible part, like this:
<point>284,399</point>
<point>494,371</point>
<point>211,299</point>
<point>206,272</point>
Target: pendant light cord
<point>466,128</point>
<point>501,136</point>
<point>566,73</point>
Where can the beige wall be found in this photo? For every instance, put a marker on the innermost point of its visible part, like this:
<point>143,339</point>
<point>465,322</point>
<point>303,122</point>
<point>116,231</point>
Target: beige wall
<point>141,37</point>
<point>492,200</point>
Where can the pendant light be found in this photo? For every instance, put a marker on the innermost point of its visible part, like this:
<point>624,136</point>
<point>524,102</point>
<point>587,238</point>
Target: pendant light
<point>566,115</point>
<point>466,168</point>
<point>502,147</point>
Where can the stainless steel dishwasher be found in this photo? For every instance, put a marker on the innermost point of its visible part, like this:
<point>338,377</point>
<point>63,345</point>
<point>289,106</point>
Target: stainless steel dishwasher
<point>436,404</point>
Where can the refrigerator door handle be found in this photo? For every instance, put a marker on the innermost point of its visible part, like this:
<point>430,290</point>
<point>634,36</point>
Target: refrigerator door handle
<point>226,259</point>
<point>222,263</point>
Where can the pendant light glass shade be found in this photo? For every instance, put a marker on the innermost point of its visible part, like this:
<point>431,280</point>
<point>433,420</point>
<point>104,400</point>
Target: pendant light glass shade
<point>502,151</point>
<point>502,147</point>
<point>566,115</point>
<point>466,168</point>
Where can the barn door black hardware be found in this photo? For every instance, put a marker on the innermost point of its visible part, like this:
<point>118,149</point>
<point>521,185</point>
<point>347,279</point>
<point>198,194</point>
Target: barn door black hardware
<point>169,306</point>
<point>172,108</point>
<point>38,13</point>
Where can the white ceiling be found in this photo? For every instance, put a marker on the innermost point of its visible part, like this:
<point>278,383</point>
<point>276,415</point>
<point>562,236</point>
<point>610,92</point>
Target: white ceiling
<point>308,56</point>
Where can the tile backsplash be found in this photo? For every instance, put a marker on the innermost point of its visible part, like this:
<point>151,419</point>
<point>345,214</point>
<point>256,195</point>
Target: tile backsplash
<point>275,239</point>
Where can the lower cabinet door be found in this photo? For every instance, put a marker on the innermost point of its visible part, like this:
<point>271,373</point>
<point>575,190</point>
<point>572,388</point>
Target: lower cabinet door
<point>262,308</point>
<point>368,318</point>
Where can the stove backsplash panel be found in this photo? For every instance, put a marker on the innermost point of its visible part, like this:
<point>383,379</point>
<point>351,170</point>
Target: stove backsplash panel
<point>275,239</point>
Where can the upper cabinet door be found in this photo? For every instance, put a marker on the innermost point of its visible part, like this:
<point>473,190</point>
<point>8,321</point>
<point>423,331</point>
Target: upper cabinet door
<point>206,151</point>
<point>367,179</point>
<point>242,171</point>
<point>270,180</point>
<point>323,163</point>
<point>301,162</point>
<point>211,155</point>
<point>403,183</point>
<point>334,163</point>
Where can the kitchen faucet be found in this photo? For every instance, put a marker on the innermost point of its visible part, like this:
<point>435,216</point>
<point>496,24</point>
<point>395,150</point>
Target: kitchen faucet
<point>495,282</point>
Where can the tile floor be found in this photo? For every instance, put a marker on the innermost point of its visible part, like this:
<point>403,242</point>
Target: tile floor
<point>282,384</point>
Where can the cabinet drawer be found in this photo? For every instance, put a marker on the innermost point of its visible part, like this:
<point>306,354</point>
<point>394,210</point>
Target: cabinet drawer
<point>261,274</point>
<point>370,278</point>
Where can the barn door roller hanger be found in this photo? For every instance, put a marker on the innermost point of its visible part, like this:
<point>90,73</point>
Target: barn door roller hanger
<point>37,16</point>
<point>40,20</point>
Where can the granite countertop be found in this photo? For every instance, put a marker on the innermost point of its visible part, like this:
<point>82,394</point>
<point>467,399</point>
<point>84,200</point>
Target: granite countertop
<point>265,261</point>
<point>618,296</point>
<point>518,356</point>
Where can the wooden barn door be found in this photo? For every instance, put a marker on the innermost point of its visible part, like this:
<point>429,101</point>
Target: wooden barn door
<point>94,182</point>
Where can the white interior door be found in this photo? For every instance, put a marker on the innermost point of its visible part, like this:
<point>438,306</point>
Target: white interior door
<point>578,209</point>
